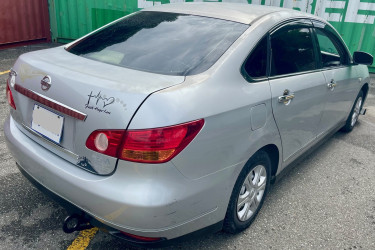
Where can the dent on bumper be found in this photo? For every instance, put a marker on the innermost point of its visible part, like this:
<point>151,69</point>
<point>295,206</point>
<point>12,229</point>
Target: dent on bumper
<point>145,200</point>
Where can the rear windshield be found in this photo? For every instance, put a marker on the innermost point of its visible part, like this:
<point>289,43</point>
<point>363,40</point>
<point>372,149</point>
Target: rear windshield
<point>164,43</point>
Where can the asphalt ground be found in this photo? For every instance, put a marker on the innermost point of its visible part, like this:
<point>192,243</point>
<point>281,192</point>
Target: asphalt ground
<point>327,201</point>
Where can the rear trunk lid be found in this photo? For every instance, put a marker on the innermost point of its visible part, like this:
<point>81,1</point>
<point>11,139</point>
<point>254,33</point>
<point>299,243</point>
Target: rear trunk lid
<point>88,95</point>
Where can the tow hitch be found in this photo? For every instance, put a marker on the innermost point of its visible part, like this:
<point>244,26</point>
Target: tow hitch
<point>76,222</point>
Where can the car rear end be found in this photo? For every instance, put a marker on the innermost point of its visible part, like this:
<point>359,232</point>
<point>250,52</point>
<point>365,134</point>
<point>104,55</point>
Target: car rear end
<point>70,109</point>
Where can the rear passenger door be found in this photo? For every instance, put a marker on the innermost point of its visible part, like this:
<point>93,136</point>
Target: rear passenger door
<point>341,77</point>
<point>297,86</point>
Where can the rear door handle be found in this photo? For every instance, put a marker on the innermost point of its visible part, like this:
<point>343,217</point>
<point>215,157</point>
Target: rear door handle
<point>286,99</point>
<point>332,84</point>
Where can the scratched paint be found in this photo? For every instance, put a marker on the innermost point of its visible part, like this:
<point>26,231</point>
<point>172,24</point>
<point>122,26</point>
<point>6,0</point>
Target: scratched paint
<point>353,19</point>
<point>28,72</point>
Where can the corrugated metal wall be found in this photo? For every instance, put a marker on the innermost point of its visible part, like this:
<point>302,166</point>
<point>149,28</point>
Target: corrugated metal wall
<point>354,19</point>
<point>71,19</point>
<point>23,21</point>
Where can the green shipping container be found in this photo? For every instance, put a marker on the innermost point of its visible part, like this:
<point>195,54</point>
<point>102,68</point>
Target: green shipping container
<point>354,19</point>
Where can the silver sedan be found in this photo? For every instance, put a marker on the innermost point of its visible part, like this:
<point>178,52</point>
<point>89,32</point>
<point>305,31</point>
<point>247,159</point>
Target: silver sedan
<point>176,119</point>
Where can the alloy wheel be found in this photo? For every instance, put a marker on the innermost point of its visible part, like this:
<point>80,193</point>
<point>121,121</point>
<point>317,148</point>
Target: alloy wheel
<point>356,111</point>
<point>251,193</point>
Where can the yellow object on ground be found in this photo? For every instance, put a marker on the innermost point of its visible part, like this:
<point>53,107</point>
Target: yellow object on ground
<point>4,72</point>
<point>83,239</point>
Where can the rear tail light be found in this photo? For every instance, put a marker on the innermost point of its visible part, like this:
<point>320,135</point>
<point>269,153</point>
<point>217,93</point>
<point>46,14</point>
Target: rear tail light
<point>105,141</point>
<point>155,145</point>
<point>10,96</point>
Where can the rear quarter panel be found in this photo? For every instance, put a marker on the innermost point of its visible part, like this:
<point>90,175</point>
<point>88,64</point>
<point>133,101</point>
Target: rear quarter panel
<point>224,99</point>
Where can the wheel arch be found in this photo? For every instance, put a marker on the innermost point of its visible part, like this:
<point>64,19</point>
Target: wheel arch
<point>230,225</point>
<point>365,89</point>
<point>273,152</point>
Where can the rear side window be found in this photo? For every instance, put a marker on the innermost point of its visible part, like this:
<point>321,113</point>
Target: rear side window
<point>256,64</point>
<point>292,51</point>
<point>164,43</point>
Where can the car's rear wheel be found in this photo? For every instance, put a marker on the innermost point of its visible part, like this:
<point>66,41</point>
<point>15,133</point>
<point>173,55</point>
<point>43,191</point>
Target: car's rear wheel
<point>354,113</point>
<point>248,193</point>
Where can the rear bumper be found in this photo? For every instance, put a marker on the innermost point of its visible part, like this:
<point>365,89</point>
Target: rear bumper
<point>144,200</point>
<point>75,210</point>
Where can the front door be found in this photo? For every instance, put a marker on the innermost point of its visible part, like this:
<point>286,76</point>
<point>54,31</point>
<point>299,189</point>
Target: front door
<point>341,78</point>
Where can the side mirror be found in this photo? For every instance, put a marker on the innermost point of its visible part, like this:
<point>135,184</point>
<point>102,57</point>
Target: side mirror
<point>360,57</point>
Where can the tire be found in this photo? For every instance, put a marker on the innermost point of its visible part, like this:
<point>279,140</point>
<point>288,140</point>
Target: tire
<point>248,193</point>
<point>354,113</point>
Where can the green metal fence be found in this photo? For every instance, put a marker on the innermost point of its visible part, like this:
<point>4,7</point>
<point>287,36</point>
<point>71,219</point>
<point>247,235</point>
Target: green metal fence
<point>71,19</point>
<point>354,19</point>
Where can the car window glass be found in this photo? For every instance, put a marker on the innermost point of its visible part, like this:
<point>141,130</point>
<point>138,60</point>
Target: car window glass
<point>292,51</point>
<point>164,43</point>
<point>329,53</point>
<point>256,64</point>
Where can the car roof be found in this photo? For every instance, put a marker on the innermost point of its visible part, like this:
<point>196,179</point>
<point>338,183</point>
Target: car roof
<point>237,12</point>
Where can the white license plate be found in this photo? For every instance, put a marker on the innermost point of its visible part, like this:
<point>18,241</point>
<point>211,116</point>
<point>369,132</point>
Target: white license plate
<point>47,123</point>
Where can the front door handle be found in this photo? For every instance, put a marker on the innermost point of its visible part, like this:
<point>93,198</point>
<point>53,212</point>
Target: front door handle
<point>332,84</point>
<point>286,98</point>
